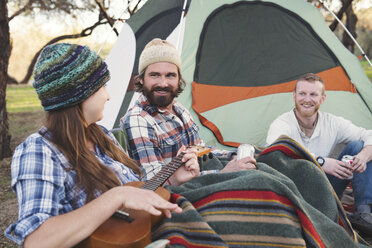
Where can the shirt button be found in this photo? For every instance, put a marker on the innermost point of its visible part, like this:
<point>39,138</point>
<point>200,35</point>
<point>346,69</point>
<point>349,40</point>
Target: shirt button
<point>124,172</point>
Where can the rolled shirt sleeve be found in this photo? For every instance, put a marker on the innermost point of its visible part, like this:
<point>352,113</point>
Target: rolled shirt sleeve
<point>347,131</point>
<point>37,179</point>
<point>45,183</point>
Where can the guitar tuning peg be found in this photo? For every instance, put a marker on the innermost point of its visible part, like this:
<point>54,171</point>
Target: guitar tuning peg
<point>210,155</point>
<point>205,157</point>
<point>200,160</point>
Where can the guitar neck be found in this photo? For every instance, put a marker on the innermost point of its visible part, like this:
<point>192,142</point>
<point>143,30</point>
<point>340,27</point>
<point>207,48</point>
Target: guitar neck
<point>165,173</point>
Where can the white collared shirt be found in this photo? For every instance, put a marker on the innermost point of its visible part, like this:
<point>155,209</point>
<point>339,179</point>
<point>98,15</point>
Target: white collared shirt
<point>330,130</point>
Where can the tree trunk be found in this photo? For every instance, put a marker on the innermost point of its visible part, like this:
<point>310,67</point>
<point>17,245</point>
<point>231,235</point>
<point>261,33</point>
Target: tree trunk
<point>345,5</point>
<point>351,21</point>
<point>5,48</point>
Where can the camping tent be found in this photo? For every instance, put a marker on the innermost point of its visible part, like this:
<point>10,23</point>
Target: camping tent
<point>240,60</point>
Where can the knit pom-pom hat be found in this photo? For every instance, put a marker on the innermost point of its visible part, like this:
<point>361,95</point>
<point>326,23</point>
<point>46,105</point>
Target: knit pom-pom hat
<point>158,50</point>
<point>67,74</point>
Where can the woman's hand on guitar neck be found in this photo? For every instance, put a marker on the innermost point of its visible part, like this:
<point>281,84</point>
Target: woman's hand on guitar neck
<point>147,200</point>
<point>188,170</point>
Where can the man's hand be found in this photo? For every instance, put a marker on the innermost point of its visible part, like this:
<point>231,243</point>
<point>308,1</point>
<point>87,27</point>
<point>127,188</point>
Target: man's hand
<point>247,163</point>
<point>189,170</point>
<point>360,162</point>
<point>339,169</point>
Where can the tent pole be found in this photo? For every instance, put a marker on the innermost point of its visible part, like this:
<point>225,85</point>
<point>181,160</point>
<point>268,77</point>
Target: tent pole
<point>183,14</point>
<point>347,31</point>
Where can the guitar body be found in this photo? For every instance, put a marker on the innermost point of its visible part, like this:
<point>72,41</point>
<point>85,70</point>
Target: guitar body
<point>119,233</point>
<point>115,232</point>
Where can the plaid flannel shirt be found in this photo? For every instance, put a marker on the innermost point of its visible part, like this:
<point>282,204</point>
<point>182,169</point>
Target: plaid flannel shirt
<point>45,187</point>
<point>155,136</point>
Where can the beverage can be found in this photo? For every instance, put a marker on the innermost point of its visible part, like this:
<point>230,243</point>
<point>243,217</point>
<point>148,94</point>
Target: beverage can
<point>245,150</point>
<point>348,159</point>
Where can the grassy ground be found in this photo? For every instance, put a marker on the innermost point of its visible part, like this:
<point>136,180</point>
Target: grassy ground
<point>25,117</point>
<point>22,98</point>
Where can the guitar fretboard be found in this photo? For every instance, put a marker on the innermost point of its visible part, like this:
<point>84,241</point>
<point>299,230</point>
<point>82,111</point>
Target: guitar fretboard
<point>165,173</point>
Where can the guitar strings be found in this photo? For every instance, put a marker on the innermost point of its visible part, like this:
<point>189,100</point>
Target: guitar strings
<point>164,173</point>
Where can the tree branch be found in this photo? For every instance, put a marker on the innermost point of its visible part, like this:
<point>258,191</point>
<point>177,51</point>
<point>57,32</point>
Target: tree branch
<point>103,10</point>
<point>21,10</point>
<point>131,12</point>
<point>86,32</point>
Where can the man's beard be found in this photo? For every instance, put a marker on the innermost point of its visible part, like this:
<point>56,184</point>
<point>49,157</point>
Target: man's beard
<point>160,101</point>
<point>306,113</point>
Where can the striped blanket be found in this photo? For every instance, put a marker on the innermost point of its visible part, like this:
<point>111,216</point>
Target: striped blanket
<point>286,202</point>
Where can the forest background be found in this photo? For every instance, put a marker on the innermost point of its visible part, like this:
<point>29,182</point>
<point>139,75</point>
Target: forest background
<point>96,24</point>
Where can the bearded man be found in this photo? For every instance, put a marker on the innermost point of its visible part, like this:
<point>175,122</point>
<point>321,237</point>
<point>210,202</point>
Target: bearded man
<point>319,133</point>
<point>158,126</point>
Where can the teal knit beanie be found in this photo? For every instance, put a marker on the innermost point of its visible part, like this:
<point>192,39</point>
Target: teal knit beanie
<point>67,74</point>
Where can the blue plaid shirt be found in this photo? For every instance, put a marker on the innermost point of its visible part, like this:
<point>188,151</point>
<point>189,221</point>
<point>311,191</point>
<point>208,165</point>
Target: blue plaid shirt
<point>45,187</point>
<point>155,136</point>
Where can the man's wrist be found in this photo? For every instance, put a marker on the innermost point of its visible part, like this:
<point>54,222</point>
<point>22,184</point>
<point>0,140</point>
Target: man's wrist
<point>320,160</point>
<point>206,172</point>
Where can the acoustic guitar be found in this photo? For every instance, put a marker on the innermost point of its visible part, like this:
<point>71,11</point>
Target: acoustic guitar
<point>129,228</point>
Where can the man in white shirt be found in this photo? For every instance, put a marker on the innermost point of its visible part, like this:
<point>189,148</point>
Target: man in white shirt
<point>319,133</point>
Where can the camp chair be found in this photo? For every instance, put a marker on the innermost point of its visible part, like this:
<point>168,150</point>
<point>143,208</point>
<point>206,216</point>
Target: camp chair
<point>122,137</point>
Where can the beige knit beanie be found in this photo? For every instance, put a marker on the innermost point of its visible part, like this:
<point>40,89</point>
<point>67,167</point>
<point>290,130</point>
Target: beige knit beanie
<point>158,50</point>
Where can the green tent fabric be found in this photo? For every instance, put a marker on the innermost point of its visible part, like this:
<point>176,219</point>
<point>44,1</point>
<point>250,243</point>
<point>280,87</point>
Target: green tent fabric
<point>280,44</point>
<point>240,60</point>
<point>273,43</point>
<point>121,136</point>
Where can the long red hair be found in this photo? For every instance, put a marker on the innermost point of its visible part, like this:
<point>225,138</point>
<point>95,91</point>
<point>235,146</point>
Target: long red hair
<point>70,133</point>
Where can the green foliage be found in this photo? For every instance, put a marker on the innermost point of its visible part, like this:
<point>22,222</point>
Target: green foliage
<point>368,69</point>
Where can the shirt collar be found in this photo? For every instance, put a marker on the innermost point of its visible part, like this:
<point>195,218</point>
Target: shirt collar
<point>317,130</point>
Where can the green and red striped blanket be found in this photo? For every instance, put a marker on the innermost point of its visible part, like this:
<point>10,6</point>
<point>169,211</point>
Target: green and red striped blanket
<point>286,202</point>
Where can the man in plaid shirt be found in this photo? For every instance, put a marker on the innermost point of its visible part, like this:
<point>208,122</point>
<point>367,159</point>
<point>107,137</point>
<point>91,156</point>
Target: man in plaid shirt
<point>158,126</point>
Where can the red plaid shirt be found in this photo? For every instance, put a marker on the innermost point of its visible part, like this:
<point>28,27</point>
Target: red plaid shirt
<point>155,136</point>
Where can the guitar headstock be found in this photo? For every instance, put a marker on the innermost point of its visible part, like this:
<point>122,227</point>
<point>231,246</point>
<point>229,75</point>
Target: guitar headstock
<point>200,150</point>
